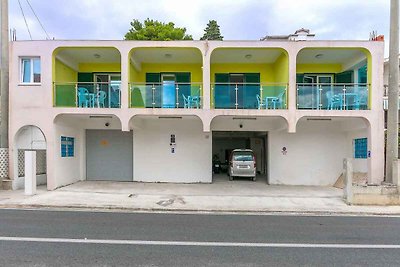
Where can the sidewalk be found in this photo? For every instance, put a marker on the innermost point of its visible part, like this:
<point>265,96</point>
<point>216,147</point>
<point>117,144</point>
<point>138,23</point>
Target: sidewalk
<point>237,196</point>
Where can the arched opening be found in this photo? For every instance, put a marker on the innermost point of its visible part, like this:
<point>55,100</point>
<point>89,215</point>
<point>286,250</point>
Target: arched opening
<point>334,78</point>
<point>87,77</point>
<point>249,78</point>
<point>29,138</point>
<point>253,133</point>
<point>315,152</point>
<point>165,77</point>
<point>170,148</point>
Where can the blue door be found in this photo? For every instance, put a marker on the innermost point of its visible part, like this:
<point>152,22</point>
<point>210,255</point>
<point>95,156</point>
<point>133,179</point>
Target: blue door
<point>168,91</point>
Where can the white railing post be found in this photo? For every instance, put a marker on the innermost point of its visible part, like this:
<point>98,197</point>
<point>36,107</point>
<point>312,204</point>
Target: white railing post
<point>297,96</point>
<point>344,97</point>
<point>236,97</point>
<point>212,96</point>
<point>320,97</point>
<point>177,95</point>
<point>153,93</point>
<point>76,95</point>
<point>201,97</point>
<point>261,98</point>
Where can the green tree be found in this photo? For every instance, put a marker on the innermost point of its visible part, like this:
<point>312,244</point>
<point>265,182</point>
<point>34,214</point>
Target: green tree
<point>155,30</point>
<point>212,32</point>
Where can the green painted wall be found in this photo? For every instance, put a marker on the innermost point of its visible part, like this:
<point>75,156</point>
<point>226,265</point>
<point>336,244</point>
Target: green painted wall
<point>281,67</point>
<point>267,71</point>
<point>318,68</point>
<point>100,67</point>
<point>65,79</point>
<point>195,70</point>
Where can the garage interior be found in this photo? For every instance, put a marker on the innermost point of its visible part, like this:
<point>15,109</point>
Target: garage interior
<point>223,142</point>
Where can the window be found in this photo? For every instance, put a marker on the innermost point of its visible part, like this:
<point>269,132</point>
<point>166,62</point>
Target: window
<point>67,146</point>
<point>360,148</point>
<point>30,70</point>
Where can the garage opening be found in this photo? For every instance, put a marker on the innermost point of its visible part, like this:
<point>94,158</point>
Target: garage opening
<point>224,142</point>
<point>109,155</point>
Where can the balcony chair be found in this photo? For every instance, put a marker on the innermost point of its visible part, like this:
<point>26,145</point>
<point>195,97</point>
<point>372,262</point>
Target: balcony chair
<point>186,101</point>
<point>334,101</point>
<point>100,99</point>
<point>259,104</point>
<point>83,97</point>
<point>194,100</point>
<point>277,102</point>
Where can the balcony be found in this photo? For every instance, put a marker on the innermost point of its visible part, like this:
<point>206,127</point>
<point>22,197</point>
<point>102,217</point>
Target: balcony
<point>248,96</point>
<point>87,95</point>
<point>87,77</point>
<point>332,96</point>
<point>168,94</point>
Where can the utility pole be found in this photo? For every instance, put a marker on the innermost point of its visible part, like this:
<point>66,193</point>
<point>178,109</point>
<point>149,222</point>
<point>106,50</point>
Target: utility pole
<point>4,75</point>
<point>393,92</point>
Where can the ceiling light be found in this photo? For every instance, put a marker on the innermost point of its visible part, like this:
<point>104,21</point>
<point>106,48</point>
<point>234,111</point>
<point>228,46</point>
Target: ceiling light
<point>96,55</point>
<point>168,55</point>
<point>248,56</point>
<point>319,55</point>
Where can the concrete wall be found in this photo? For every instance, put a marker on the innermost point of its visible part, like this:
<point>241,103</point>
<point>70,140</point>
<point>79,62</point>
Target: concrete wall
<point>68,170</point>
<point>359,165</point>
<point>314,154</point>
<point>152,157</point>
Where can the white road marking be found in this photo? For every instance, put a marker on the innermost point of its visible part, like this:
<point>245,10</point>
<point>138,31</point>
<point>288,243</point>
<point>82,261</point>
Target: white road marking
<point>198,244</point>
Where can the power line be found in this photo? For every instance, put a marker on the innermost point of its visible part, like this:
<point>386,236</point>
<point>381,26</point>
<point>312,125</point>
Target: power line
<point>41,25</point>
<point>26,23</point>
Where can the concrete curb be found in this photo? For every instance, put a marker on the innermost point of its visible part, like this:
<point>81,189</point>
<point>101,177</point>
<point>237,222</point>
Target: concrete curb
<point>112,208</point>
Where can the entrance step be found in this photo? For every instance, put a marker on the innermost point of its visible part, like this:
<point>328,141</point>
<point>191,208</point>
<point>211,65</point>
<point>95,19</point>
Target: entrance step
<point>6,184</point>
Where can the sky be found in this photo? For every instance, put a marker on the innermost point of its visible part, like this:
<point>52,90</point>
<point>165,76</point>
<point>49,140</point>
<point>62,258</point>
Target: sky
<point>238,19</point>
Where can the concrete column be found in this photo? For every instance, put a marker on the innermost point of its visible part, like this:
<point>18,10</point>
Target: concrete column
<point>396,172</point>
<point>51,160</point>
<point>206,78</point>
<point>376,143</point>
<point>30,173</point>
<point>292,89</point>
<point>125,61</point>
<point>348,180</point>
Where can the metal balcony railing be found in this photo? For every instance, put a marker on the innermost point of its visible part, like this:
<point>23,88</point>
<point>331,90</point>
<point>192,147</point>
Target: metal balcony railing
<point>87,94</point>
<point>165,95</point>
<point>333,96</point>
<point>249,96</point>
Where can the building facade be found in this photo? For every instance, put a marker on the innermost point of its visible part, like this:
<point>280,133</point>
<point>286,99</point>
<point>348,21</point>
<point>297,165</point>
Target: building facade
<point>162,111</point>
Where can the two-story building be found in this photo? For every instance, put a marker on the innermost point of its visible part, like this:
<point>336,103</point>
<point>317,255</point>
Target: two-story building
<point>161,111</point>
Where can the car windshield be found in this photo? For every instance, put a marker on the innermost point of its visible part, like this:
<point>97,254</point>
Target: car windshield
<point>243,156</point>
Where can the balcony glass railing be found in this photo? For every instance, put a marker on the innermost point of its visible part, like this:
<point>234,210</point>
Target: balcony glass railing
<point>332,96</point>
<point>87,95</point>
<point>248,96</point>
<point>165,95</point>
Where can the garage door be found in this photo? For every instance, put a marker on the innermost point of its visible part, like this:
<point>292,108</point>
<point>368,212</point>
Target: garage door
<point>109,155</point>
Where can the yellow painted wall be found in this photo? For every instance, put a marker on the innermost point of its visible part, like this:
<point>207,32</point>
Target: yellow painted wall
<point>267,71</point>
<point>140,77</point>
<point>100,67</point>
<point>319,68</point>
<point>63,73</point>
<point>281,68</point>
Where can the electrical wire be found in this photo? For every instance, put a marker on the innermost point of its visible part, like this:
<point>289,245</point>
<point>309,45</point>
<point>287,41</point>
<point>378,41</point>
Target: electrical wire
<point>26,23</point>
<point>41,25</point>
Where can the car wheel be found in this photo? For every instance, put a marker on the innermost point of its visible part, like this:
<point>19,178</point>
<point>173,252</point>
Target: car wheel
<point>254,178</point>
<point>230,178</point>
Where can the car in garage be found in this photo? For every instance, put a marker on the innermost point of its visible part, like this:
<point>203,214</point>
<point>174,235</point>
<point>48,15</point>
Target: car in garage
<point>242,163</point>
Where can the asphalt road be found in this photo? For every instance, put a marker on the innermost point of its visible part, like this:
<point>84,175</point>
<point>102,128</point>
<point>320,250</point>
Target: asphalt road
<point>67,238</point>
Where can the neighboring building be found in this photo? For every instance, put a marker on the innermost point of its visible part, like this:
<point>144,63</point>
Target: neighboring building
<point>299,35</point>
<point>159,111</point>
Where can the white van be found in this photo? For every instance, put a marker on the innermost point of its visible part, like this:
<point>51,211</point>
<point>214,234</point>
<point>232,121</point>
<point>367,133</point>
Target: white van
<point>242,163</point>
